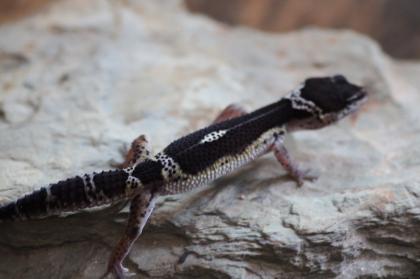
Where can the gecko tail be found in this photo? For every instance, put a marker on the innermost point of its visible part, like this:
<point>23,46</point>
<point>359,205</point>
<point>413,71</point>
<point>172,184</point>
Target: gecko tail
<point>8,212</point>
<point>68,195</point>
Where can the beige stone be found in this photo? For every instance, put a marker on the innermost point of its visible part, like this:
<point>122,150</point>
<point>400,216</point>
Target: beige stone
<point>81,79</point>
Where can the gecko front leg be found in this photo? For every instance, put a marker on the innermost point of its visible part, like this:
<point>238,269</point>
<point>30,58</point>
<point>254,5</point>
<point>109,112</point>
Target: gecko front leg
<point>280,151</point>
<point>283,157</point>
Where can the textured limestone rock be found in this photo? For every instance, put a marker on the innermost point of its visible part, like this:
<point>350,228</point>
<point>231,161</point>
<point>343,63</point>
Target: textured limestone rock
<point>81,79</point>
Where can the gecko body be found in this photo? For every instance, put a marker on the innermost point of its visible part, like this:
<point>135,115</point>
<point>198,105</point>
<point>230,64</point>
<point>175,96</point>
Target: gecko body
<point>234,139</point>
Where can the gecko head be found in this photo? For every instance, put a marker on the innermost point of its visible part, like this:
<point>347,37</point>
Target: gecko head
<point>324,100</point>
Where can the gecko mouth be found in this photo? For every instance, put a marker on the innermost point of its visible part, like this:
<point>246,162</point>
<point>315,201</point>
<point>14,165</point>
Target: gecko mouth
<point>360,95</point>
<point>356,101</point>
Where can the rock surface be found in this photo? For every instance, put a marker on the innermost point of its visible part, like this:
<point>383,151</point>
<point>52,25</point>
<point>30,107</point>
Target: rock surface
<point>81,79</point>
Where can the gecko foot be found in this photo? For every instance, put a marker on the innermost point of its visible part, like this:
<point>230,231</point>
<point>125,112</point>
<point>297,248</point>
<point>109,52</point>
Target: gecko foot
<point>283,157</point>
<point>119,271</point>
<point>302,175</point>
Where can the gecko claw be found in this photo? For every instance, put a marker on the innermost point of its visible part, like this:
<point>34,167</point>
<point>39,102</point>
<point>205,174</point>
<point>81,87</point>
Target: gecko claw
<point>119,271</point>
<point>300,176</point>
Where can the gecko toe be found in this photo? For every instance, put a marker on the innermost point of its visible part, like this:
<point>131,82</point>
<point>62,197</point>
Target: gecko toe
<point>305,175</point>
<point>121,272</point>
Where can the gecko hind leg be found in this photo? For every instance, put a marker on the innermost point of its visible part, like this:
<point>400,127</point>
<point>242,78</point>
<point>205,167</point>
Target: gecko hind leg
<point>231,111</point>
<point>139,151</point>
<point>141,208</point>
<point>283,157</point>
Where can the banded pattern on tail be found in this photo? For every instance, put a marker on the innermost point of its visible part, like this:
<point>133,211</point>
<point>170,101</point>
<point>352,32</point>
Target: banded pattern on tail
<point>69,195</point>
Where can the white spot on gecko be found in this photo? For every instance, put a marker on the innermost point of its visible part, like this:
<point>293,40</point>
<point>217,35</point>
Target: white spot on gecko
<point>213,136</point>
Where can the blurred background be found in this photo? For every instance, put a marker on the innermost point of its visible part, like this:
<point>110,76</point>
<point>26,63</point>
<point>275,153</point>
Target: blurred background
<point>395,24</point>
